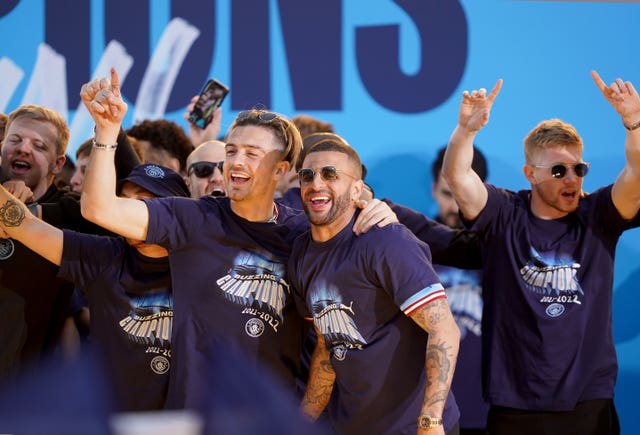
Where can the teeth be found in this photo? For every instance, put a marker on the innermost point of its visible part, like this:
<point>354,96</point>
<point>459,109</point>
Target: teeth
<point>239,176</point>
<point>21,164</point>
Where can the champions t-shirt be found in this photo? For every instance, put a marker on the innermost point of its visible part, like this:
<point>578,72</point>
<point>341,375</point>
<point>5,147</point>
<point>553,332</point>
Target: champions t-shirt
<point>359,290</point>
<point>229,288</point>
<point>547,339</point>
<point>130,300</point>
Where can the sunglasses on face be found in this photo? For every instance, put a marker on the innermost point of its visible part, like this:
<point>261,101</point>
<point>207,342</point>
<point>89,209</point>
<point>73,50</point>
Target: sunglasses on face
<point>264,117</point>
<point>327,173</point>
<point>559,170</point>
<point>204,169</point>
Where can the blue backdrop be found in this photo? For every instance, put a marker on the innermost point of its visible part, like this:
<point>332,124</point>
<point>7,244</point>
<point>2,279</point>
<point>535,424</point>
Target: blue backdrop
<point>387,74</point>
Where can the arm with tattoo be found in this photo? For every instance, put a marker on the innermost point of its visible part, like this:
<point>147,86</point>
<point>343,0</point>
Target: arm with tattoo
<point>20,224</point>
<point>442,352</point>
<point>321,380</point>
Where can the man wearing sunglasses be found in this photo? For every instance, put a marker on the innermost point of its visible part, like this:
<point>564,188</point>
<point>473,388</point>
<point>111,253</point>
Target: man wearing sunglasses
<point>204,169</point>
<point>377,306</point>
<point>549,357</point>
<point>228,255</point>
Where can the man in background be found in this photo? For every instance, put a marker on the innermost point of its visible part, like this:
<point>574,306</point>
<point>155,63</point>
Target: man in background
<point>464,294</point>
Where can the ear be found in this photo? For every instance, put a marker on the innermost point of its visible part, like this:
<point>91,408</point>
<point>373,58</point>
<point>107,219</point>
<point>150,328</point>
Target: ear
<point>187,181</point>
<point>356,189</point>
<point>529,173</point>
<point>58,164</point>
<point>282,168</point>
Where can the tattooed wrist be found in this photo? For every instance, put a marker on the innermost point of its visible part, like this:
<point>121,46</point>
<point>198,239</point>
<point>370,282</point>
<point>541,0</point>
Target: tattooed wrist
<point>11,214</point>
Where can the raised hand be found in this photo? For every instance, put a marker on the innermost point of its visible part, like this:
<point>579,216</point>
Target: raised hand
<point>476,107</point>
<point>103,100</point>
<point>210,132</point>
<point>622,96</point>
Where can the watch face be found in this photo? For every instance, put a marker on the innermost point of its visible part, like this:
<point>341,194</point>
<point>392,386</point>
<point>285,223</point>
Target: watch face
<point>426,422</point>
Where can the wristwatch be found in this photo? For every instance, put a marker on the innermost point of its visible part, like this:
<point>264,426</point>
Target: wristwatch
<point>428,422</point>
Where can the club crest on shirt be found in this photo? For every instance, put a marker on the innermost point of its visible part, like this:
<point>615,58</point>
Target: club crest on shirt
<point>555,280</point>
<point>334,321</point>
<point>257,284</point>
<point>160,365</point>
<point>7,248</point>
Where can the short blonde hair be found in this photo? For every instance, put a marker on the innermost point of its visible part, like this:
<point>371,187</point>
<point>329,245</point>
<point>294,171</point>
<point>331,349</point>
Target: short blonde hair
<point>552,133</point>
<point>41,113</point>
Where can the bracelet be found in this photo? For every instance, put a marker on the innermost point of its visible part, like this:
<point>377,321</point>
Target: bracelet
<point>103,146</point>
<point>632,126</point>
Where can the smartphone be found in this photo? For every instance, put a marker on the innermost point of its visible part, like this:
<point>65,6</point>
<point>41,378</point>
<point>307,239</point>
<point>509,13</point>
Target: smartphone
<point>210,99</point>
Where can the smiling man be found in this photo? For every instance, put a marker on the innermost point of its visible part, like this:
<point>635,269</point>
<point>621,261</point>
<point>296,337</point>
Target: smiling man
<point>549,357</point>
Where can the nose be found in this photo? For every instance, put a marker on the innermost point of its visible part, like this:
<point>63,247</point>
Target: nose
<point>24,146</point>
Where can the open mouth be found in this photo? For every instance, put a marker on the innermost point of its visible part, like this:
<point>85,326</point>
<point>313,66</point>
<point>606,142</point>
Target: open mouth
<point>238,178</point>
<point>19,166</point>
<point>217,192</point>
<point>318,202</point>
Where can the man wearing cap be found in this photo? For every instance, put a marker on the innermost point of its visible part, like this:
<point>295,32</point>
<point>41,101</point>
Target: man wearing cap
<point>127,284</point>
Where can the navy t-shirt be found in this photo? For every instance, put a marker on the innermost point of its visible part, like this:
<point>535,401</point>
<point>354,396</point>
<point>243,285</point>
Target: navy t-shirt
<point>360,290</point>
<point>230,290</point>
<point>130,300</point>
<point>547,339</point>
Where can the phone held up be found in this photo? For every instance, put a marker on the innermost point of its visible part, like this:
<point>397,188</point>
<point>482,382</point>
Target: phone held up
<point>210,99</point>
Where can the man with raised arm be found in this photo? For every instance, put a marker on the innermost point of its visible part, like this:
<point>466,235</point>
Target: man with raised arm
<point>228,255</point>
<point>549,357</point>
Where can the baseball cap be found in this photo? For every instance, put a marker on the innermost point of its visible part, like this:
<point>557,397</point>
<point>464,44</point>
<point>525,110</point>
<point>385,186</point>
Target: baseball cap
<point>156,179</point>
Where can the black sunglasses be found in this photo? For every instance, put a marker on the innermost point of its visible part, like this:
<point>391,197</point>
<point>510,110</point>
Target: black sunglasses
<point>265,117</point>
<point>204,169</point>
<point>328,173</point>
<point>559,170</point>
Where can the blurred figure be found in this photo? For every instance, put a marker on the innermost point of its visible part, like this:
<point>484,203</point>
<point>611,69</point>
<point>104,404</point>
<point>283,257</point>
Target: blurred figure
<point>82,160</point>
<point>164,143</point>
<point>447,205</point>
<point>63,178</point>
<point>204,169</point>
<point>464,294</point>
<point>307,126</point>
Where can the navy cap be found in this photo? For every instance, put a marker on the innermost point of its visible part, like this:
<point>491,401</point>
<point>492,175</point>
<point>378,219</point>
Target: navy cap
<point>157,179</point>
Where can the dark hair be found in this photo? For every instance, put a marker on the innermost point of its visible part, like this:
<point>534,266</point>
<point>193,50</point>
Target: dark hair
<point>84,149</point>
<point>166,135</point>
<point>308,125</point>
<point>479,164</point>
<point>333,142</point>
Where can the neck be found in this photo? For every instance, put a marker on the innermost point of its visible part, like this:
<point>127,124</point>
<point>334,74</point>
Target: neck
<point>263,212</point>
<point>542,210</point>
<point>323,233</point>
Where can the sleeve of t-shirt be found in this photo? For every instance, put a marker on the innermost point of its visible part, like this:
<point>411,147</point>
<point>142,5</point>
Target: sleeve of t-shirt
<point>403,267</point>
<point>174,222</point>
<point>605,213</point>
<point>497,213</point>
<point>449,247</point>
<point>86,256</point>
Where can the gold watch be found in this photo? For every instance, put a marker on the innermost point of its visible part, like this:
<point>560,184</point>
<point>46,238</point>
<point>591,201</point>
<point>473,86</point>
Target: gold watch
<point>428,422</point>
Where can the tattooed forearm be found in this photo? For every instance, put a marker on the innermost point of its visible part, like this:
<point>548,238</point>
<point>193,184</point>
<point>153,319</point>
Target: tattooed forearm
<point>320,384</point>
<point>11,214</point>
<point>438,396</point>
<point>438,364</point>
